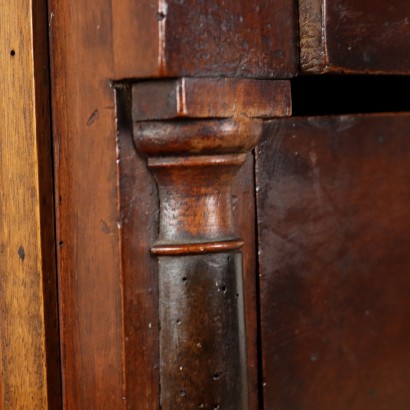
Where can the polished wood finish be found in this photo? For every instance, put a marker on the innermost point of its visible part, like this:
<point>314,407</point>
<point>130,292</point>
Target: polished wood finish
<point>202,336</point>
<point>195,75</point>
<point>200,297</point>
<point>355,36</point>
<point>194,162</point>
<point>107,314</point>
<point>138,208</point>
<point>139,270</point>
<point>243,206</point>
<point>28,326</point>
<point>88,240</point>
<point>334,235</point>
<point>191,137</point>
<point>172,38</point>
<point>210,98</point>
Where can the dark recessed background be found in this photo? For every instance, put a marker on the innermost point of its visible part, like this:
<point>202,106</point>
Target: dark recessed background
<point>346,94</point>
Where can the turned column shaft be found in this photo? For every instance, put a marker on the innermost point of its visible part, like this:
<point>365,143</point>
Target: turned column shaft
<point>202,337</point>
<point>194,161</point>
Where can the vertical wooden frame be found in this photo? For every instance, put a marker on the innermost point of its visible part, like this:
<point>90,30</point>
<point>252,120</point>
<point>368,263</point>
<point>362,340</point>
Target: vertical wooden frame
<point>29,333</point>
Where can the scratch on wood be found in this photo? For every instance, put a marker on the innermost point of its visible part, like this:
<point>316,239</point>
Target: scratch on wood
<point>93,117</point>
<point>162,14</point>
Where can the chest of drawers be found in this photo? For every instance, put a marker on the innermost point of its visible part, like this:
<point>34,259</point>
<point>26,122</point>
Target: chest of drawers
<point>216,249</point>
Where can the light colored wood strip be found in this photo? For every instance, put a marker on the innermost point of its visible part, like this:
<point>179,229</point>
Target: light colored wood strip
<point>22,118</point>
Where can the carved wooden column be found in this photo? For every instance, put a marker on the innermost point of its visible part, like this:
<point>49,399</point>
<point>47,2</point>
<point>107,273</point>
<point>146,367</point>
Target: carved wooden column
<point>194,161</point>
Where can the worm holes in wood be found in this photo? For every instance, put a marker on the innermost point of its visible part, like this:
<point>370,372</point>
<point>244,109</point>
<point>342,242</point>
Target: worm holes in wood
<point>222,288</point>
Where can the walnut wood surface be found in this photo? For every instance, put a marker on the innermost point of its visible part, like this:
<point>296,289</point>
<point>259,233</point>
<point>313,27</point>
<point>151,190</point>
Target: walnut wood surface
<point>210,98</point>
<point>243,207</point>
<point>360,36</point>
<point>195,202</point>
<point>192,137</point>
<point>200,295</point>
<point>106,362</point>
<point>139,270</point>
<point>29,373</point>
<point>203,358</point>
<point>171,38</point>
<point>195,179</point>
<point>194,161</point>
<point>334,236</point>
<point>90,298</point>
<point>138,199</point>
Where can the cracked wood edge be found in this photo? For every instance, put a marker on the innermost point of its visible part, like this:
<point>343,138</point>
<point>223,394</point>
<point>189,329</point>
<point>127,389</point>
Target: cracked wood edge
<point>313,54</point>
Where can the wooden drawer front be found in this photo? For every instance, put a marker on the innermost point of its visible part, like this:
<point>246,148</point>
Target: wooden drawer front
<point>333,197</point>
<point>361,36</point>
<point>172,38</point>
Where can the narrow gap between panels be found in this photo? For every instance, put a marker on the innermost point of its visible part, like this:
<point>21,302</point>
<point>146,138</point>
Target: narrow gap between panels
<point>349,94</point>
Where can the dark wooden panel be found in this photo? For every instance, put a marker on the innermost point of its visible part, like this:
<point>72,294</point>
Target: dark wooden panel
<point>139,227</point>
<point>243,207</point>
<point>171,38</point>
<point>333,198</point>
<point>361,36</point>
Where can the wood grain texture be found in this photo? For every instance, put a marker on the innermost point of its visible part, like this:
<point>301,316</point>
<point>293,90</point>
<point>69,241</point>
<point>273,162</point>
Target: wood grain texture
<point>191,137</point>
<point>202,335</point>
<point>195,179</point>
<point>334,235</point>
<point>210,98</point>
<point>139,269</point>
<point>195,201</point>
<point>200,294</point>
<point>88,239</point>
<point>243,207</point>
<point>237,38</point>
<point>138,199</point>
<point>355,36</point>
<point>90,46</point>
<point>29,337</point>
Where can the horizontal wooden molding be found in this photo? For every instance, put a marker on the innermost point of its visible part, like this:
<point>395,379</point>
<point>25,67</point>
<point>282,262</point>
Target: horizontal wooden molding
<point>196,248</point>
<point>210,98</point>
